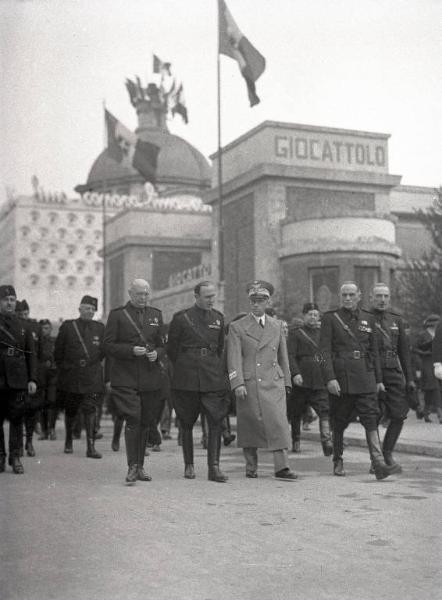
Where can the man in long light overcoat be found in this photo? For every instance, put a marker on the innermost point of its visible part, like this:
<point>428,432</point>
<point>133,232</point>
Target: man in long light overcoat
<point>259,375</point>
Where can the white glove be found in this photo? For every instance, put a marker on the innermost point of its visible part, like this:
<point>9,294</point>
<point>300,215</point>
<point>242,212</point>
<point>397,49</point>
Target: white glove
<point>438,370</point>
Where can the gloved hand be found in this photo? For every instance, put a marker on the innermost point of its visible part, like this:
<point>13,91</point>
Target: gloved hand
<point>333,387</point>
<point>241,392</point>
<point>297,379</point>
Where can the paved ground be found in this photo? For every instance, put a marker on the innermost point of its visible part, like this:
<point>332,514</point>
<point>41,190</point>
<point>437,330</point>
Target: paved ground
<point>71,530</point>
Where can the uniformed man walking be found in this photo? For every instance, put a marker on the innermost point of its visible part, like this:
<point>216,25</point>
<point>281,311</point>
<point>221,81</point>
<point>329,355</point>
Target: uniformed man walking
<point>259,375</point>
<point>195,347</point>
<point>394,354</point>
<point>353,375</point>
<point>307,372</point>
<point>133,342</point>
<point>78,355</point>
<point>17,375</point>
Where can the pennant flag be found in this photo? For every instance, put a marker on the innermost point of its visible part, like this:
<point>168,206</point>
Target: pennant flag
<point>179,104</point>
<point>161,67</point>
<point>125,147</point>
<point>233,43</point>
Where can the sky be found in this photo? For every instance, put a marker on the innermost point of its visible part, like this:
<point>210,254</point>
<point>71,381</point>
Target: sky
<point>371,65</point>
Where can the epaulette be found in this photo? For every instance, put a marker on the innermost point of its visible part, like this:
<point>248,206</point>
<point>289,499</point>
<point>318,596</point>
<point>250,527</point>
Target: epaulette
<point>180,312</point>
<point>367,310</point>
<point>218,312</point>
<point>117,308</point>
<point>393,312</point>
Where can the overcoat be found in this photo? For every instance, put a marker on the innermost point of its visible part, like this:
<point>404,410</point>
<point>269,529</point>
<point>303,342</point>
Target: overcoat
<point>80,371</point>
<point>437,344</point>
<point>257,358</point>
<point>120,337</point>
<point>18,363</point>
<point>349,347</point>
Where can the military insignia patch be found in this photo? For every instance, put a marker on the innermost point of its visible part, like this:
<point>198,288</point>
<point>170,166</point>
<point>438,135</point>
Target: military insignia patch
<point>232,375</point>
<point>96,340</point>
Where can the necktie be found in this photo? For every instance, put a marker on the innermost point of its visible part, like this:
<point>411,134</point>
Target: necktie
<point>261,322</point>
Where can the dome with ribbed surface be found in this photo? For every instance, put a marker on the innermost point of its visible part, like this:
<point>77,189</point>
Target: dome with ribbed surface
<point>178,163</point>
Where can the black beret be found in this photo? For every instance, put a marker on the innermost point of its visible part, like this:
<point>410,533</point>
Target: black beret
<point>7,290</point>
<point>90,300</point>
<point>308,306</point>
<point>21,305</point>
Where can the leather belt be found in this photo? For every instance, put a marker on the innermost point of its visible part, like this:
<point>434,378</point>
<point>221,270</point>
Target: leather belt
<point>355,354</point>
<point>199,351</point>
<point>389,353</point>
<point>11,351</point>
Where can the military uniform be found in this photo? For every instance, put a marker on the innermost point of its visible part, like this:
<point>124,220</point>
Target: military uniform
<point>395,363</point>
<point>47,386</point>
<point>17,369</point>
<point>349,346</point>
<point>195,348</point>
<point>78,355</point>
<point>136,382</point>
<point>305,359</point>
<point>430,386</point>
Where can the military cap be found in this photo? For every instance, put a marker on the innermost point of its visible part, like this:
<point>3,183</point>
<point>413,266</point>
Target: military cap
<point>21,305</point>
<point>90,300</point>
<point>308,306</point>
<point>260,288</point>
<point>431,320</point>
<point>7,290</point>
<point>44,322</point>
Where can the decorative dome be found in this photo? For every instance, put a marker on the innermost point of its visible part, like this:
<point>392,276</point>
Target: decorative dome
<point>178,163</point>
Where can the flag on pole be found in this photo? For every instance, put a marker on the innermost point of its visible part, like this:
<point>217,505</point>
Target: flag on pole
<point>233,43</point>
<point>161,67</point>
<point>125,147</point>
<point>179,104</point>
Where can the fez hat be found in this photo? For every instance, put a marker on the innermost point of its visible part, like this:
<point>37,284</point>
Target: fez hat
<point>260,288</point>
<point>21,305</point>
<point>431,320</point>
<point>308,306</point>
<point>90,300</point>
<point>7,290</point>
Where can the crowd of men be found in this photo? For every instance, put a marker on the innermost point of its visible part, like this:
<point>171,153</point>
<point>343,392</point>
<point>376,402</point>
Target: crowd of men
<point>347,364</point>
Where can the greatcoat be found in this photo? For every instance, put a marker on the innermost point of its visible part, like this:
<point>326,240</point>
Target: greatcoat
<point>257,358</point>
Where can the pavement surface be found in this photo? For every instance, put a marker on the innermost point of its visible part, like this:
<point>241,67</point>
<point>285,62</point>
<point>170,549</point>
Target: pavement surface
<point>71,529</point>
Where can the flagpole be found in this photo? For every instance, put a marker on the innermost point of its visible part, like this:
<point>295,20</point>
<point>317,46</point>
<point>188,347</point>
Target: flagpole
<point>103,220</point>
<point>220,178</point>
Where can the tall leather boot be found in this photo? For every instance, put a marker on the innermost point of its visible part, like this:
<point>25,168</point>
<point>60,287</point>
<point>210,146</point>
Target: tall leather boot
<point>29,428</point>
<point>142,441</point>
<point>131,437</point>
<point>2,449</point>
<point>89,423</point>
<point>296,434</point>
<point>187,443</point>
<point>69,424</point>
<point>44,424</point>
<point>52,420</point>
<point>381,470</point>
<point>338,450</point>
<point>204,436</point>
<point>391,437</point>
<point>118,426</point>
<point>324,431</point>
<point>15,441</point>
<point>213,454</point>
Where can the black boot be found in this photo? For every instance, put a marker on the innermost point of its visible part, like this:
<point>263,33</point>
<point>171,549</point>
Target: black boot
<point>391,437</point>
<point>187,442</point>
<point>213,454</point>
<point>142,475</point>
<point>381,470</point>
<point>29,429</point>
<point>2,463</point>
<point>118,426</point>
<point>2,449</point>
<point>296,434</point>
<point>44,425</point>
<point>131,437</point>
<point>52,421</point>
<point>228,436</point>
<point>338,449</point>
<point>15,463</point>
<point>89,423</point>
<point>69,424</point>
<point>324,431</point>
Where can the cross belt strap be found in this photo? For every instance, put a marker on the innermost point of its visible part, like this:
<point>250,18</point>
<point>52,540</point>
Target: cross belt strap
<point>135,326</point>
<point>307,337</point>
<point>346,327</point>
<point>77,331</point>
<point>382,330</point>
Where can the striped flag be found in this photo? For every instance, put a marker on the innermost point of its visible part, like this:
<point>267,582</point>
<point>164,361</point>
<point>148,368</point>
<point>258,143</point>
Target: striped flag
<point>125,147</point>
<point>233,43</point>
